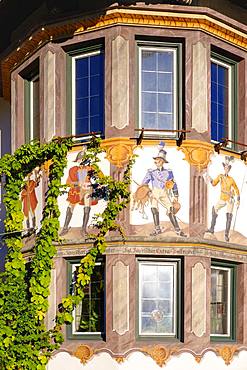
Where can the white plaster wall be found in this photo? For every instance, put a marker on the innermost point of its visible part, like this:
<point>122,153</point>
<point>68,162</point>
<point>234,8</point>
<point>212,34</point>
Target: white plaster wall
<point>137,360</point>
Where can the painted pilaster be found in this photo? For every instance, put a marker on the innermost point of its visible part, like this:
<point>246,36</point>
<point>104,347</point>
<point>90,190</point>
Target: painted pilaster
<point>120,82</point>
<point>200,65</point>
<point>49,95</point>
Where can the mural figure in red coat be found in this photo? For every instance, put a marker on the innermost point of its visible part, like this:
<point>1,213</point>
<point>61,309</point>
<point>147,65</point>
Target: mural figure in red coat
<point>80,192</point>
<point>29,198</point>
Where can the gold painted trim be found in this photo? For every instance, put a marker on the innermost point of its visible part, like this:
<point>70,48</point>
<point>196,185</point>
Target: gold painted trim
<point>84,353</point>
<point>118,150</point>
<point>227,353</point>
<point>115,16</point>
<point>159,353</point>
<point>197,153</point>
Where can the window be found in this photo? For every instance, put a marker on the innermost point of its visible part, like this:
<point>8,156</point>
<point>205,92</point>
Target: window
<point>159,90</point>
<point>32,107</point>
<point>159,297</point>
<point>89,314</point>
<point>223,98</point>
<point>223,301</point>
<point>88,92</point>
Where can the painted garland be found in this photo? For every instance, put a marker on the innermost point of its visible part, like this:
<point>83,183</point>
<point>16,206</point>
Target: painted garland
<point>25,343</point>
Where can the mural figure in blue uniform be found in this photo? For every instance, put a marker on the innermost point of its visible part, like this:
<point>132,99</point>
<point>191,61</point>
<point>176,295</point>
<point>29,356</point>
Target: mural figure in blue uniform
<point>164,192</point>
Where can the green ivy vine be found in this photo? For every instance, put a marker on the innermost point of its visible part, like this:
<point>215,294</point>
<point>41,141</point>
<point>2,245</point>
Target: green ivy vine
<point>25,342</point>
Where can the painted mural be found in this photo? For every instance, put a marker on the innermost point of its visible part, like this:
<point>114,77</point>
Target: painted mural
<point>160,192</point>
<point>31,197</point>
<point>226,179</point>
<point>80,203</point>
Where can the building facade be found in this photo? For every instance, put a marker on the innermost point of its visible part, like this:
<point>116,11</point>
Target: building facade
<point>166,81</point>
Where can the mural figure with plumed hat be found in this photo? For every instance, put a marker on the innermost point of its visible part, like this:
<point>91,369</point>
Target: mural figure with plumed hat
<point>81,192</point>
<point>229,190</point>
<point>164,192</point>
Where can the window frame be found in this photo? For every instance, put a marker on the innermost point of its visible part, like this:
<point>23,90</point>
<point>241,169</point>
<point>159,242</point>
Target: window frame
<point>178,85</point>
<point>77,52</point>
<point>177,335</point>
<point>232,67</point>
<point>71,333</point>
<point>28,107</point>
<point>230,336</point>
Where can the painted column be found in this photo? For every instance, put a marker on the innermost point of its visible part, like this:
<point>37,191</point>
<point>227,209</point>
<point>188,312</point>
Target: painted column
<point>120,82</point>
<point>49,95</point>
<point>200,58</point>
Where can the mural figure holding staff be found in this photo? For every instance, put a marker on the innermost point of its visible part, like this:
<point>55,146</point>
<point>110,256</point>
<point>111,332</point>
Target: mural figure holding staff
<point>162,192</point>
<point>229,190</point>
<point>80,192</point>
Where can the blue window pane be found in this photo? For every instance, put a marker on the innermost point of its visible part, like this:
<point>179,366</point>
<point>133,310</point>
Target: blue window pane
<point>82,87</point>
<point>90,94</point>
<point>149,120</point>
<point>165,121</point>
<point>221,132</point>
<point>94,105</point>
<point>149,102</point>
<point>95,123</point>
<point>219,101</point>
<point>96,64</point>
<point>221,114</point>
<point>149,81</point>
<point>214,112</point>
<point>165,61</point>
<point>148,60</point>
<point>213,72</point>
<point>82,108</point>
<point>165,82</point>
<point>214,131</point>
<point>82,126</point>
<point>222,95</point>
<point>81,67</point>
<point>165,103</point>
<point>95,85</point>
<point>222,75</point>
<point>214,92</point>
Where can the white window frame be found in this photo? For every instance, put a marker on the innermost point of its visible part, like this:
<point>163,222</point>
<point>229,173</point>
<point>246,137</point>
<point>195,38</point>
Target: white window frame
<point>31,97</point>
<point>175,92</point>
<point>230,97</point>
<point>229,306</point>
<point>74,332</point>
<point>73,75</point>
<point>173,263</point>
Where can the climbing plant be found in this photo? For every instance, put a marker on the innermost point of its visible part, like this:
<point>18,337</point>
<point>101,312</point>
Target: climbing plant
<point>25,342</point>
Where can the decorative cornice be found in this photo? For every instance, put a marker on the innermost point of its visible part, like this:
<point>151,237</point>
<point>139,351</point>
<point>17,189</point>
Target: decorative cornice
<point>185,20</point>
<point>159,353</point>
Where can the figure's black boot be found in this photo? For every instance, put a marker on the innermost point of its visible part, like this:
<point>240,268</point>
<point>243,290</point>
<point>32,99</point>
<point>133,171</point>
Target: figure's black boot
<point>85,220</point>
<point>28,223</point>
<point>174,223</point>
<point>213,222</point>
<point>34,222</point>
<point>67,221</point>
<point>228,226</point>
<point>157,230</point>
